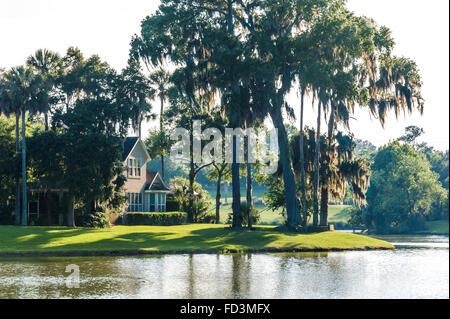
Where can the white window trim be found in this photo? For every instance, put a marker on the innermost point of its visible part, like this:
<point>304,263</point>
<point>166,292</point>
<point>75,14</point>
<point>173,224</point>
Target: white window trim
<point>135,202</point>
<point>134,165</point>
<point>159,197</point>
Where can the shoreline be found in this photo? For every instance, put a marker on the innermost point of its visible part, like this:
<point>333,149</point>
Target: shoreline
<point>124,253</point>
<point>164,240</point>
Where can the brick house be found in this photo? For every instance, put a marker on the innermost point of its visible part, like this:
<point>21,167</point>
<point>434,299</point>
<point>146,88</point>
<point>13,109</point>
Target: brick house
<point>145,190</point>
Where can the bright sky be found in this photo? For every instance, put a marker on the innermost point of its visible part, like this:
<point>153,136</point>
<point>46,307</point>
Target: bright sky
<point>105,27</point>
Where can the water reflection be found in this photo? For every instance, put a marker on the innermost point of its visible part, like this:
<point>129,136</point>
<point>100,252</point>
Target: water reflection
<point>413,271</point>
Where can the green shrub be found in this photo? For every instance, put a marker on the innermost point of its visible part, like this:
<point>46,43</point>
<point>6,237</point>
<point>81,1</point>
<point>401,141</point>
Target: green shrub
<point>245,213</point>
<point>156,219</point>
<point>93,220</point>
<point>172,205</point>
<point>207,218</point>
<point>200,203</point>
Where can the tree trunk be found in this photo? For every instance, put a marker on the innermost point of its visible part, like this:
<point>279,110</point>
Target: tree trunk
<point>17,210</point>
<point>190,213</point>
<point>325,188</point>
<point>290,188</point>
<point>24,172</point>
<point>249,181</point>
<point>317,169</point>
<point>70,218</point>
<point>249,194</point>
<point>324,206</point>
<point>46,121</point>
<point>230,19</point>
<point>163,173</point>
<point>140,129</point>
<point>218,196</point>
<point>236,187</point>
<point>302,160</point>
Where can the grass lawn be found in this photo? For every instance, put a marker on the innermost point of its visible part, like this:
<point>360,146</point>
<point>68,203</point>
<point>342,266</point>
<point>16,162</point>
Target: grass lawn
<point>337,214</point>
<point>437,227</point>
<point>181,239</point>
<point>268,217</point>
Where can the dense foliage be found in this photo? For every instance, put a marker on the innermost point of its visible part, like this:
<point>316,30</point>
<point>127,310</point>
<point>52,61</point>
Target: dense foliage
<point>87,110</point>
<point>196,203</point>
<point>404,192</point>
<point>232,63</point>
<point>92,220</point>
<point>155,219</point>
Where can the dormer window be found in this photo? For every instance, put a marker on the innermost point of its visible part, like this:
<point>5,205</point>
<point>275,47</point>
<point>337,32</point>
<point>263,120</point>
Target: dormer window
<point>134,167</point>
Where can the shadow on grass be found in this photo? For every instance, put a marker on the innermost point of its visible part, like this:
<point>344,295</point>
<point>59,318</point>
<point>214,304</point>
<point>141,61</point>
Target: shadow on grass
<point>82,239</point>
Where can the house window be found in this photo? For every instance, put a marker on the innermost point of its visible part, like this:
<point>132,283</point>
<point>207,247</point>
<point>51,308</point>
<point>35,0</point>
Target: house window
<point>135,203</point>
<point>134,167</point>
<point>152,202</point>
<point>161,202</point>
<point>157,202</point>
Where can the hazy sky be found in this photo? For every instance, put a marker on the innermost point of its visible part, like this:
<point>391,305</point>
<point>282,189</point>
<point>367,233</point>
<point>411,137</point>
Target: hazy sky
<point>105,27</point>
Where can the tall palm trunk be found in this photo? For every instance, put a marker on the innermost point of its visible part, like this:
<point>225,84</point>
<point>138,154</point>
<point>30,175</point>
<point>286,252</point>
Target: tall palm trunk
<point>235,180</point>
<point>290,188</point>
<point>24,172</point>
<point>163,173</point>
<point>317,169</point>
<point>324,206</point>
<point>249,194</point>
<point>325,188</point>
<point>302,160</point>
<point>17,208</point>
<point>218,197</point>
<point>249,180</point>
<point>190,213</point>
<point>70,218</point>
<point>46,121</point>
<point>140,127</point>
<point>236,187</point>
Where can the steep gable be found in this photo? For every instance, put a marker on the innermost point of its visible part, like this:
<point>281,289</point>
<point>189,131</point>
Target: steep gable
<point>155,183</point>
<point>130,144</point>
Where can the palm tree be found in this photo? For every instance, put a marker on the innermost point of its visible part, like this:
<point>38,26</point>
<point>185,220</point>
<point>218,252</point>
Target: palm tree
<point>47,64</point>
<point>70,80</point>
<point>341,106</point>
<point>302,156</point>
<point>160,79</point>
<point>316,166</point>
<point>338,168</point>
<point>398,88</point>
<point>8,107</point>
<point>27,95</point>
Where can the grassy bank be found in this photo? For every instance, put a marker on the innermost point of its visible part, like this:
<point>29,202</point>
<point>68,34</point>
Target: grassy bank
<point>175,239</point>
<point>437,227</point>
<point>336,214</point>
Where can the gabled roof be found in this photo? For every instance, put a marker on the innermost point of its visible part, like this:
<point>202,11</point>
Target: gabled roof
<point>154,182</point>
<point>130,144</point>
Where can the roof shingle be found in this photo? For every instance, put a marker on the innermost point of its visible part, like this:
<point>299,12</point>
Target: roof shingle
<point>128,146</point>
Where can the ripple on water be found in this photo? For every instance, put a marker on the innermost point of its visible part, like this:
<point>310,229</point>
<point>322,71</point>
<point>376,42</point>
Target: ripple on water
<point>419,268</point>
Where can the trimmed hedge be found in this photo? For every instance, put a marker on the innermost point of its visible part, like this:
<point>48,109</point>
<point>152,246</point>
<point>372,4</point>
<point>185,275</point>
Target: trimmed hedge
<point>208,218</point>
<point>94,220</point>
<point>156,219</point>
<point>172,205</point>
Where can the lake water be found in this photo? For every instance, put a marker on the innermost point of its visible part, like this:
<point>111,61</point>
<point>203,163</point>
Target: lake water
<point>419,268</point>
